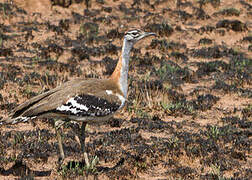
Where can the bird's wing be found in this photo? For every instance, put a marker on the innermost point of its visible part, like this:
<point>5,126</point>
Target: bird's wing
<point>78,98</point>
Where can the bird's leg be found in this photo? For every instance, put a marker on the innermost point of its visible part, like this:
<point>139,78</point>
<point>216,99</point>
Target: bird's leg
<point>62,155</point>
<point>82,137</point>
<point>58,133</point>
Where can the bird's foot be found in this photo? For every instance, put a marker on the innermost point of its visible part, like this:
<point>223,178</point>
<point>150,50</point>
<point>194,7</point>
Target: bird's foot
<point>60,164</point>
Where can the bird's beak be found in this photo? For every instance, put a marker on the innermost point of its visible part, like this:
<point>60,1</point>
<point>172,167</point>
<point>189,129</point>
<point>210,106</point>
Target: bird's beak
<point>149,34</point>
<point>146,34</point>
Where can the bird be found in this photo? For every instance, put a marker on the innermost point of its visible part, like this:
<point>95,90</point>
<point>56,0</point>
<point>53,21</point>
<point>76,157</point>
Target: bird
<point>82,100</point>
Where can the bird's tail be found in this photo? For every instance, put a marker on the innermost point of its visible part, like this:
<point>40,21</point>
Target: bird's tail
<point>10,120</point>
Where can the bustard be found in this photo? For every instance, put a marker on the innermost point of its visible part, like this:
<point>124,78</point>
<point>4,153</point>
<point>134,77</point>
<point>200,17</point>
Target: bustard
<point>82,100</point>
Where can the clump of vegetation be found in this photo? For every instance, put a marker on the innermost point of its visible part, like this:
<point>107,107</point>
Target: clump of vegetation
<point>205,68</point>
<point>209,52</point>
<point>6,52</point>
<point>235,25</point>
<point>247,111</point>
<point>165,45</point>
<point>250,48</point>
<point>172,73</point>
<point>248,38</point>
<point>73,169</point>
<point>205,102</point>
<point>166,69</point>
<point>228,12</point>
<point>177,108</point>
<point>177,55</point>
<point>89,30</point>
<point>163,29</point>
<point>205,41</point>
<point>214,3</point>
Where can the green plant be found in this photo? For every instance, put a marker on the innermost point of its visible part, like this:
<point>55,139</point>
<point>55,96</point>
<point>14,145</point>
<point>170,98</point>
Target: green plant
<point>236,50</point>
<point>214,132</point>
<point>1,41</point>
<point>164,45</point>
<point>243,63</point>
<point>247,111</point>
<point>72,168</point>
<point>230,12</point>
<point>138,110</point>
<point>165,69</point>
<point>92,166</point>
<point>249,107</point>
<point>214,3</point>
<point>141,165</point>
<point>89,29</point>
<point>18,138</point>
<point>28,90</point>
<point>173,142</point>
<point>35,59</point>
<point>173,107</point>
<point>4,11</point>
<point>216,170</point>
<point>63,171</point>
<point>78,169</point>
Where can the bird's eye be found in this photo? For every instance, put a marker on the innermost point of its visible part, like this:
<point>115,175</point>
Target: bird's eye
<point>134,33</point>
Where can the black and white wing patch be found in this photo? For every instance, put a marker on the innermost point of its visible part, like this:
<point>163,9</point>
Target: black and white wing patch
<point>88,105</point>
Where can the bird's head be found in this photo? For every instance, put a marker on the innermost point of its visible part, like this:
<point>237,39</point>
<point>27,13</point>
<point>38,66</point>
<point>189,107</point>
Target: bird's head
<point>135,35</point>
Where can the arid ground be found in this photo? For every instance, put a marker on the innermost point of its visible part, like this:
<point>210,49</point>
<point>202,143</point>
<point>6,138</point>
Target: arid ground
<point>189,108</point>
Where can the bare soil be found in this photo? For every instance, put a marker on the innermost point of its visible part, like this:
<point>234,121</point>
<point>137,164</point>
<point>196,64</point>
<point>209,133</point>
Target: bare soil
<point>189,109</point>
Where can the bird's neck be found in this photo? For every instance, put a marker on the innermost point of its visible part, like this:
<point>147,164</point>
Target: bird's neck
<point>120,74</point>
